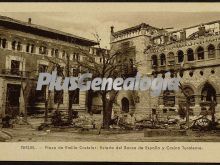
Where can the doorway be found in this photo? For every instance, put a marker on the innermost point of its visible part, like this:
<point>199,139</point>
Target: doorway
<point>12,99</point>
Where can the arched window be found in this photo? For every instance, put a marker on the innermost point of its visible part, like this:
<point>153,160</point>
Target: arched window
<point>180,56</point>
<point>208,92</point>
<point>200,53</point>
<point>154,60</point>
<point>190,55</point>
<point>211,51</point>
<point>162,59</point>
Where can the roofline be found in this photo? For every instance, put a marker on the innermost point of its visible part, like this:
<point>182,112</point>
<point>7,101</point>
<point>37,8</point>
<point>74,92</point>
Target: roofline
<point>83,41</point>
<point>139,26</point>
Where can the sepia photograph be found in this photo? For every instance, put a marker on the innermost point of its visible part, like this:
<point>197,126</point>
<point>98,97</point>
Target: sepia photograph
<point>122,76</point>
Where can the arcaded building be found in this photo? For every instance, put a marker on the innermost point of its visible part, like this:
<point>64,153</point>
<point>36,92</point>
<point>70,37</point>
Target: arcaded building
<point>26,50</point>
<point>191,53</point>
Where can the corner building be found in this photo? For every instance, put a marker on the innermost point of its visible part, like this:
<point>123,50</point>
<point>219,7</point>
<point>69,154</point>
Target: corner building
<point>191,53</point>
<point>26,50</point>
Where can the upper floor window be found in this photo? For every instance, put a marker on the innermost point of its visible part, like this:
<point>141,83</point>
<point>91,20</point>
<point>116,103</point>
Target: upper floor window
<point>15,67</point>
<point>64,54</point>
<point>154,60</point>
<point>162,59</point>
<point>211,51</point>
<point>16,45</point>
<point>190,55</point>
<point>43,50</point>
<point>56,53</point>
<point>42,68</point>
<point>3,43</point>
<point>76,56</point>
<point>180,56</point>
<point>30,48</point>
<point>200,53</point>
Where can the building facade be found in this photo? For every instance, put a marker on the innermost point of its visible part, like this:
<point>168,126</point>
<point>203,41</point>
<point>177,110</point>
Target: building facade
<point>26,50</point>
<point>191,54</point>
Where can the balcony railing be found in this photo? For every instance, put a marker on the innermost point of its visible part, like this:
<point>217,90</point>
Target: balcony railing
<point>14,72</point>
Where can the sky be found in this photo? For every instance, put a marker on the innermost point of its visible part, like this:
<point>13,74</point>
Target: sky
<point>85,24</point>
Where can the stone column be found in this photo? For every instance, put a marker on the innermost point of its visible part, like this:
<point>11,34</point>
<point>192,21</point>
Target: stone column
<point>197,108</point>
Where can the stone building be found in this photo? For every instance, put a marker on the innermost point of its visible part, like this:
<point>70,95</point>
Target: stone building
<point>192,54</point>
<point>27,49</point>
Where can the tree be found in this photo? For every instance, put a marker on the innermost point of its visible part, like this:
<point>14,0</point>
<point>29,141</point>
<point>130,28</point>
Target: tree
<point>110,66</point>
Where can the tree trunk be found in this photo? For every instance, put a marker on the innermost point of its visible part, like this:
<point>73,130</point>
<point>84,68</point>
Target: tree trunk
<point>107,111</point>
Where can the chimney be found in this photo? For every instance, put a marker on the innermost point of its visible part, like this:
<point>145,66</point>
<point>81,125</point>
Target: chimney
<point>112,29</point>
<point>183,35</point>
<point>29,20</point>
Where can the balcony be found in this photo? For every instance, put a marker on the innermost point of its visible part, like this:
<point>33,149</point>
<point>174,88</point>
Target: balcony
<point>14,73</point>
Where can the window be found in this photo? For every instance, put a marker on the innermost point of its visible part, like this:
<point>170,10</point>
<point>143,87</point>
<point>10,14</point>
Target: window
<point>180,56</point>
<point>57,53</point>
<point>211,51</point>
<point>76,56</point>
<point>15,65</point>
<point>162,59</point>
<point>52,52</point>
<point>19,47</point>
<point>30,48</point>
<point>75,72</point>
<point>60,71</point>
<point>74,96</point>
<point>190,55</point>
<point>43,50</point>
<point>200,53</point>
<point>3,42</point>
<point>13,45</point>
<point>58,97</point>
<point>154,60</point>
<point>169,98</point>
<point>16,45</point>
<point>40,95</point>
<point>42,68</point>
<point>64,54</point>
<point>27,47</point>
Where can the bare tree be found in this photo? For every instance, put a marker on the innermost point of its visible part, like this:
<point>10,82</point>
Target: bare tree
<point>110,66</point>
